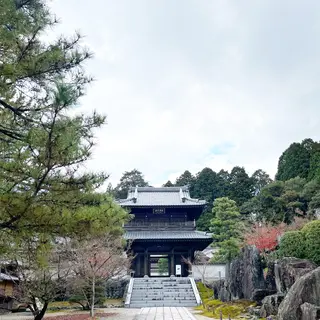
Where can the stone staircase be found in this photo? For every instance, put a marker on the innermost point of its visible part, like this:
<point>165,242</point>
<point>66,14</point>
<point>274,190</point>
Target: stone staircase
<point>162,292</point>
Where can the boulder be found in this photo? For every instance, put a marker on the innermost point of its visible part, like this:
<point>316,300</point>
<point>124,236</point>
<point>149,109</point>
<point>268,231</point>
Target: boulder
<point>217,286</point>
<point>246,280</point>
<point>254,311</point>
<point>289,270</point>
<point>310,311</point>
<point>305,289</point>
<point>271,278</point>
<point>224,294</point>
<point>270,305</point>
<point>235,279</point>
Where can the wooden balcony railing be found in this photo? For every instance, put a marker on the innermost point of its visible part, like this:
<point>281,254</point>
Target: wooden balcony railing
<point>160,225</point>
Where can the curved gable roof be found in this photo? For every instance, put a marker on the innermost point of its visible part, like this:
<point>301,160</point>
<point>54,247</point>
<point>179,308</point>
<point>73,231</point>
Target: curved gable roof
<point>164,196</point>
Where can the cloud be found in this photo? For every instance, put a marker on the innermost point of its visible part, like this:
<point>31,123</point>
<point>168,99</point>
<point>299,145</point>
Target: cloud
<point>179,80</point>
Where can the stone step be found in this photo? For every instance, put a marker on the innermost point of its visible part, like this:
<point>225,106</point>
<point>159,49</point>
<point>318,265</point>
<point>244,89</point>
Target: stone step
<point>157,286</point>
<point>162,292</point>
<point>166,296</point>
<point>163,300</point>
<point>162,304</point>
<point>136,288</point>
<point>162,281</point>
<point>156,295</point>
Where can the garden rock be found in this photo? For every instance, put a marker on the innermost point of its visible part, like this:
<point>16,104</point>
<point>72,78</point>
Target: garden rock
<point>246,280</point>
<point>289,270</point>
<point>217,286</point>
<point>310,311</point>
<point>271,278</point>
<point>305,290</point>
<point>270,305</point>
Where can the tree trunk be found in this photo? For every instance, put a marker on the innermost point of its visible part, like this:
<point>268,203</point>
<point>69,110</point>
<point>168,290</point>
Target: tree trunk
<point>40,315</point>
<point>93,297</point>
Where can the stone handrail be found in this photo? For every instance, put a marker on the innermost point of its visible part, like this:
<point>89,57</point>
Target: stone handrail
<point>129,293</point>
<point>195,291</point>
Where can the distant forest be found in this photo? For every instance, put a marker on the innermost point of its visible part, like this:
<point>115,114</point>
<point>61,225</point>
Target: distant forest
<point>295,190</point>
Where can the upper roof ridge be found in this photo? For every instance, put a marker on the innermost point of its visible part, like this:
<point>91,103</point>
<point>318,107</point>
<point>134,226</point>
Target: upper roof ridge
<point>158,189</point>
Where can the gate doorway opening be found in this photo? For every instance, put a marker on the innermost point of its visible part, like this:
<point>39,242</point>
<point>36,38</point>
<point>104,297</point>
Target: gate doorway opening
<point>159,265</point>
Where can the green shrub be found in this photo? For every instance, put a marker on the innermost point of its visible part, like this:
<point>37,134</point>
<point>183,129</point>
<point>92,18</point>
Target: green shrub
<point>304,244</point>
<point>292,244</point>
<point>311,232</point>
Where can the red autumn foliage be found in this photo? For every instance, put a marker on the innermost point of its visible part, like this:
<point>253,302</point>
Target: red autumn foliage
<point>80,316</point>
<point>266,236</point>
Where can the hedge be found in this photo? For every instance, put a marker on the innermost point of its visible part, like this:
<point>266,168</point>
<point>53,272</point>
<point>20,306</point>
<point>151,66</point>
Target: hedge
<point>311,232</point>
<point>304,244</point>
<point>292,244</point>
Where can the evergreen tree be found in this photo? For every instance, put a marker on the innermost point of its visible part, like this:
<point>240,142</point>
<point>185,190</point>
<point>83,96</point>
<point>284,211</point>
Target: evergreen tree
<point>44,193</point>
<point>282,201</point>
<point>260,179</point>
<point>30,67</point>
<point>223,184</point>
<point>133,178</point>
<point>205,185</point>
<point>241,186</point>
<point>226,228</point>
<point>163,266</point>
<point>168,184</point>
<point>314,170</point>
<point>295,161</point>
<point>186,179</point>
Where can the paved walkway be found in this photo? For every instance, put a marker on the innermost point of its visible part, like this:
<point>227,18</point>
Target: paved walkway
<point>161,313</point>
<point>164,313</point>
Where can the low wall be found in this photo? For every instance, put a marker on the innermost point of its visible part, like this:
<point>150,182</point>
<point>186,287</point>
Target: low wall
<point>209,271</point>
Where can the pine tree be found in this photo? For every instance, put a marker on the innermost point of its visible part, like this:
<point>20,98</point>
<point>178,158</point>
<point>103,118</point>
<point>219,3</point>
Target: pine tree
<point>44,192</point>
<point>226,228</point>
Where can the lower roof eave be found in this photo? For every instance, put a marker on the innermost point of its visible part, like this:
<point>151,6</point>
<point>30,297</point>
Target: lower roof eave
<point>175,240</point>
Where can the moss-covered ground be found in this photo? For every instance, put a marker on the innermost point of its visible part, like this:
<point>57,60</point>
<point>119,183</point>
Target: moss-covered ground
<point>213,308</point>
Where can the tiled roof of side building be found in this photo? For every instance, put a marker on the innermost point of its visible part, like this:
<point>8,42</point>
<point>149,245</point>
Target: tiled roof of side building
<point>164,196</point>
<point>7,277</point>
<point>167,235</point>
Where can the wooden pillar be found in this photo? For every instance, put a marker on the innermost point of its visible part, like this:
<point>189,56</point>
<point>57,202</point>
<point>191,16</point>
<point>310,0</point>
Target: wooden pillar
<point>190,258</point>
<point>146,263</point>
<point>138,265</point>
<point>172,263</point>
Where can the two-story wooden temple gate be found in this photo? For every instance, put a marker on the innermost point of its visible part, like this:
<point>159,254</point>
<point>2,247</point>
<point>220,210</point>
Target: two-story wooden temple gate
<point>163,232</point>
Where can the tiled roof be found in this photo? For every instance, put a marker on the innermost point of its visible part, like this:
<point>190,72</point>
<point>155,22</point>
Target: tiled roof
<point>167,235</point>
<point>7,277</point>
<point>165,196</point>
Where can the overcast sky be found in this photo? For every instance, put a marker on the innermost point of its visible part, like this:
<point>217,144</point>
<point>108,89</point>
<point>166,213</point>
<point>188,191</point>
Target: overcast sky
<point>187,84</point>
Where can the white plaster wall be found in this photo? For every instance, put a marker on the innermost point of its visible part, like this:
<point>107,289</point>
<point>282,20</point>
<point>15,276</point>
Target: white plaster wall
<point>209,272</point>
